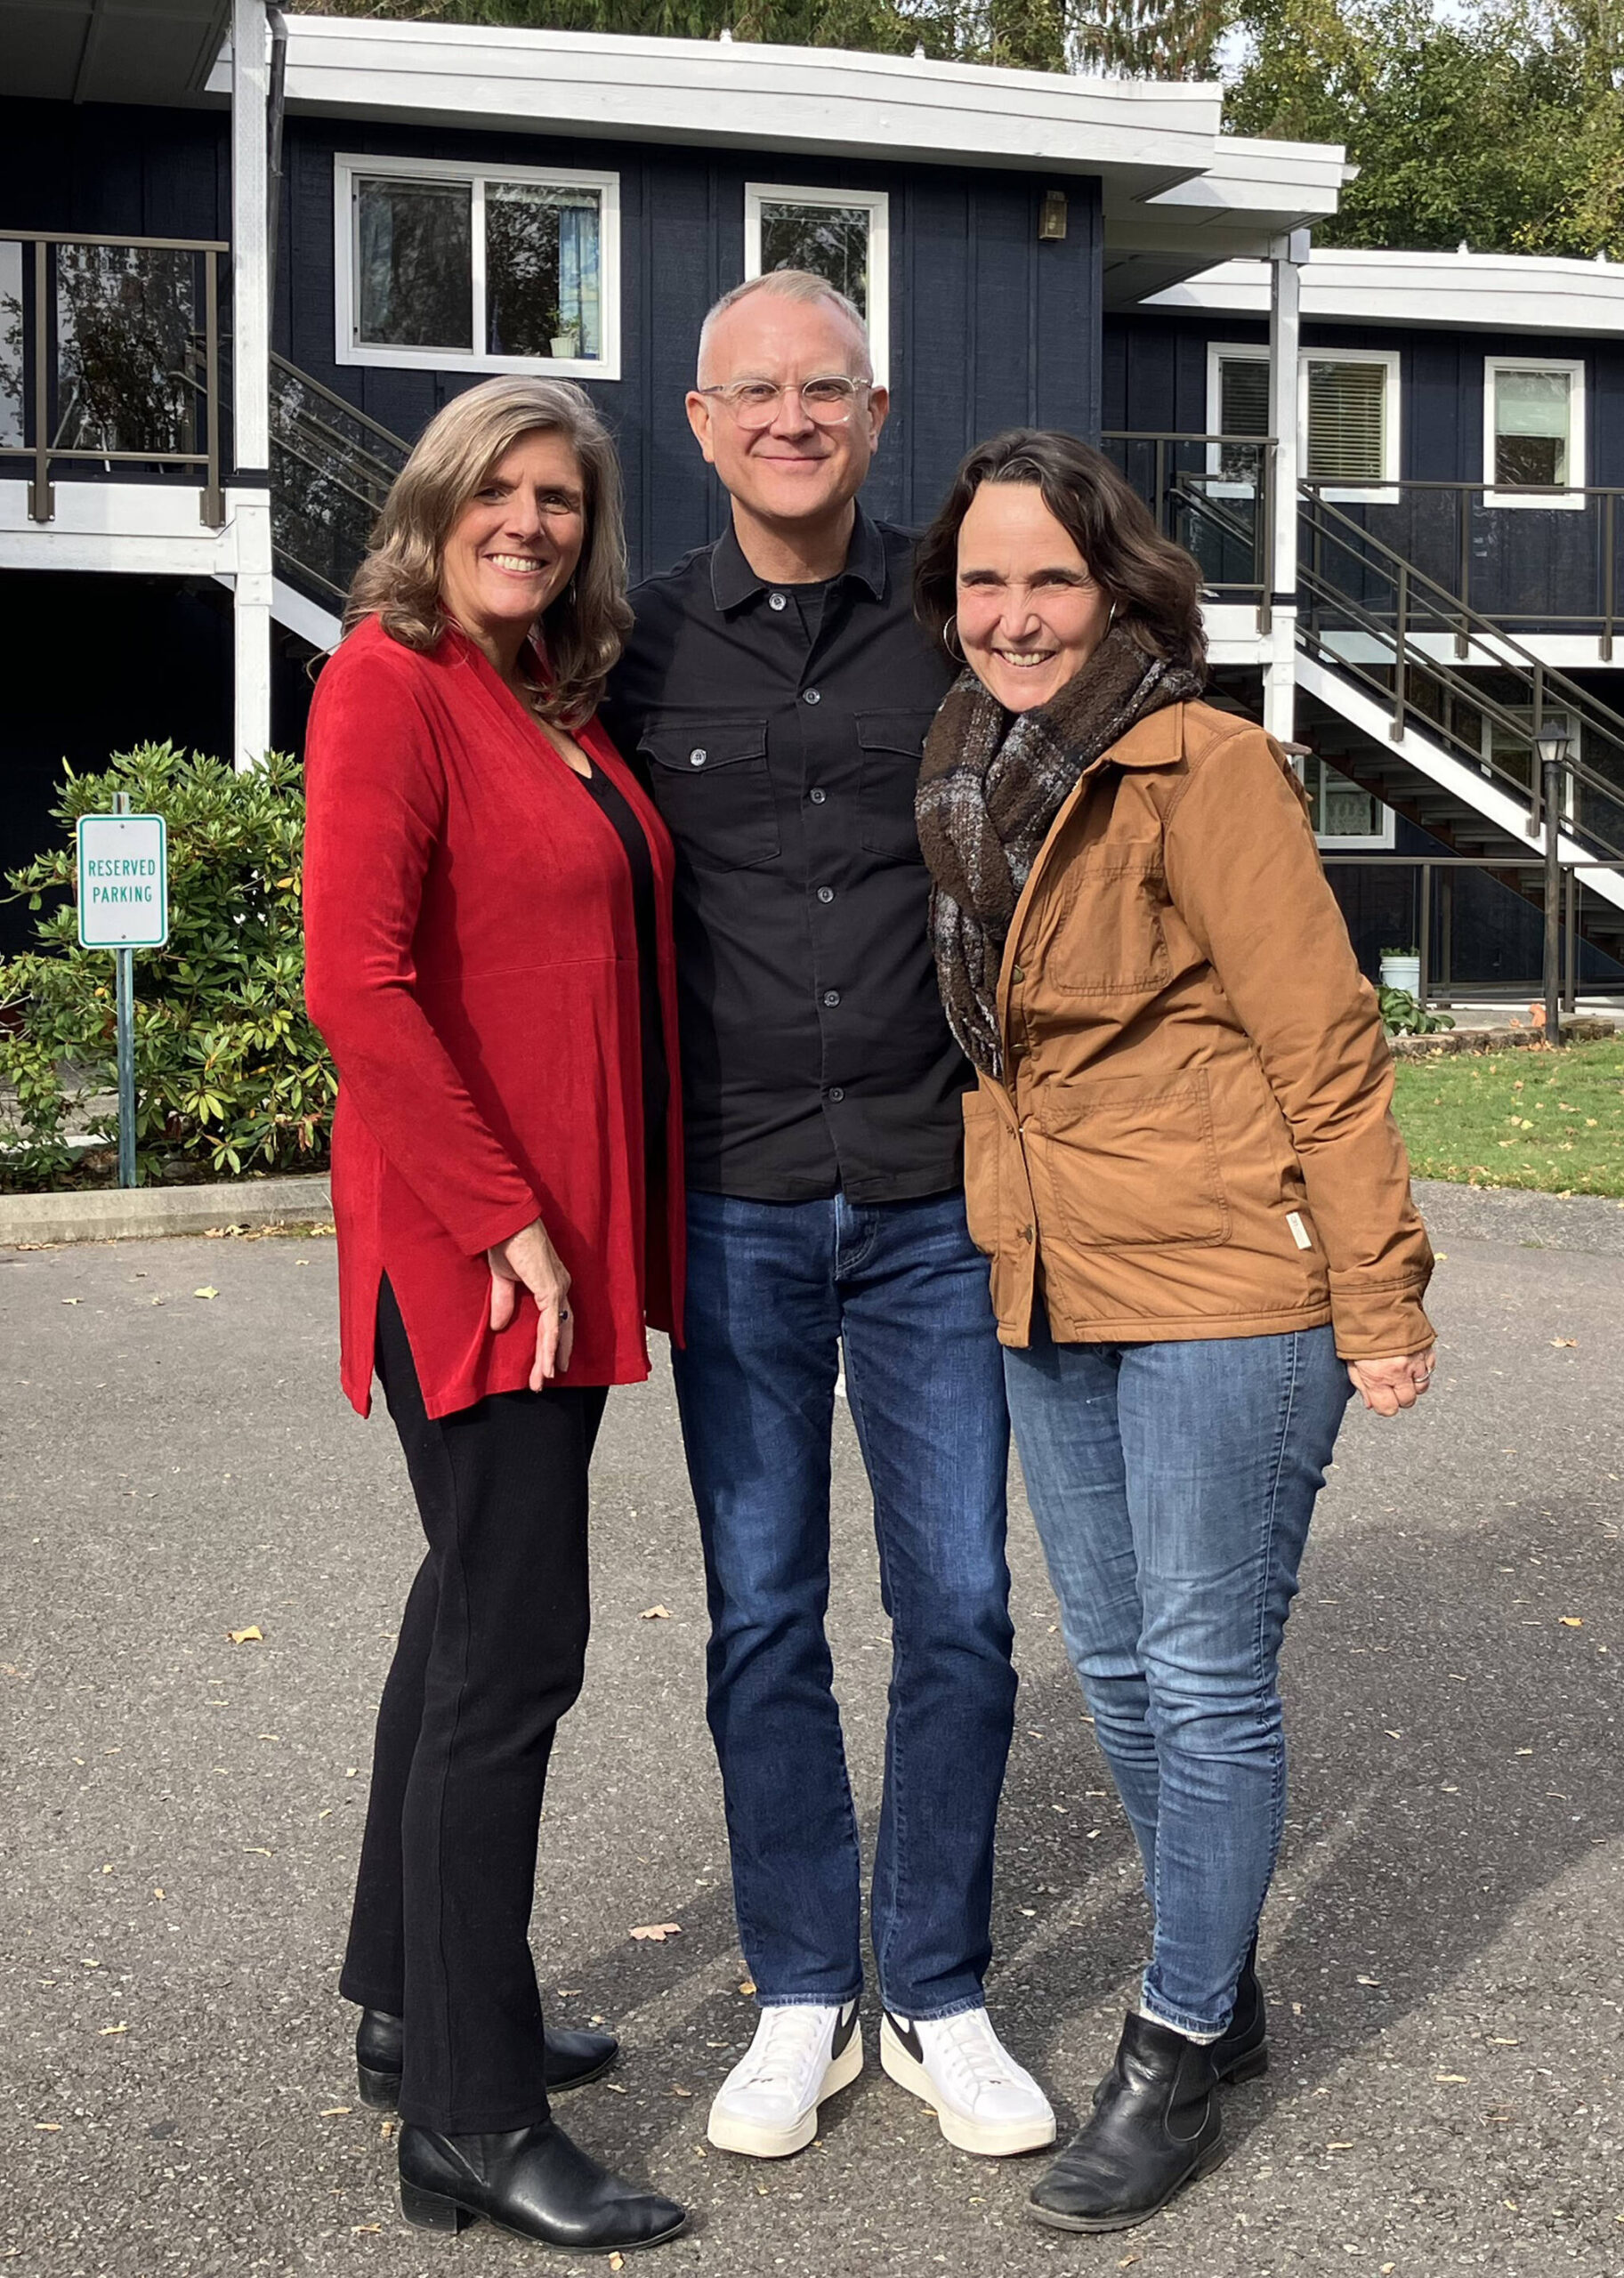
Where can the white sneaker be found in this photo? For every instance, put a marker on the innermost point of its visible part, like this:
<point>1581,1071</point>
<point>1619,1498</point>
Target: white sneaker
<point>983,2100</point>
<point>767,2107</point>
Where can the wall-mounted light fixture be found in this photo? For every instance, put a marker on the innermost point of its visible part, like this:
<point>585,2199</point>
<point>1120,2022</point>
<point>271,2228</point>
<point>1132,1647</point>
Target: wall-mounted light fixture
<point>1052,215</point>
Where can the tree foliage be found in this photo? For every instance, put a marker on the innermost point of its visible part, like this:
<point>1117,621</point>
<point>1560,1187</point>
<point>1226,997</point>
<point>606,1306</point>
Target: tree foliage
<point>1503,128</point>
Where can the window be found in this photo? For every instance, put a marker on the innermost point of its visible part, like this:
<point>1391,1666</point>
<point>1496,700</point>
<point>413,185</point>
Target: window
<point>840,234</point>
<point>1344,816</point>
<point>1509,750</point>
<point>1534,428</point>
<point>1347,414</point>
<point>442,265</point>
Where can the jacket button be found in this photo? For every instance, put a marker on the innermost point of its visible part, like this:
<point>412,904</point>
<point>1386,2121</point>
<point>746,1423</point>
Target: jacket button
<point>697,758</point>
<point>1026,1233</point>
<point>1017,973</point>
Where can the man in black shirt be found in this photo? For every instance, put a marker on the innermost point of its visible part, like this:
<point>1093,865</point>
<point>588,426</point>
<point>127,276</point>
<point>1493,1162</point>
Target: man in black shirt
<point>776,691</point>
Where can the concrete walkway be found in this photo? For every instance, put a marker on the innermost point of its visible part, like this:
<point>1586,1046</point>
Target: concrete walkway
<point>1442,1953</point>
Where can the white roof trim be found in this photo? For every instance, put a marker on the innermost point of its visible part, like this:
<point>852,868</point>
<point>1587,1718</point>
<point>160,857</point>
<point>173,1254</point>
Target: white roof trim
<point>1470,292</point>
<point>1147,135</point>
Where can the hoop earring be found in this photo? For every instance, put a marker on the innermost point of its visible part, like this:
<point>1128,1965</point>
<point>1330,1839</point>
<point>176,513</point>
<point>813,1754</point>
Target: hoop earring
<point>949,636</point>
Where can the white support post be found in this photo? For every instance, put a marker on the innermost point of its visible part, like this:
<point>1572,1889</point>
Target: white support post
<point>251,380</point>
<point>1286,257</point>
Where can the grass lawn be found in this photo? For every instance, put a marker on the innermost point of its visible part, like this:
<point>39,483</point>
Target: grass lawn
<point>1525,1117</point>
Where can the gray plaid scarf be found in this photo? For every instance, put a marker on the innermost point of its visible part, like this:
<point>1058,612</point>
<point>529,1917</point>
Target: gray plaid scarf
<point>990,786</point>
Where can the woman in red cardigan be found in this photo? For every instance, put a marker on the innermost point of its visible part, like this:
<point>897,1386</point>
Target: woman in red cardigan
<point>488,905</point>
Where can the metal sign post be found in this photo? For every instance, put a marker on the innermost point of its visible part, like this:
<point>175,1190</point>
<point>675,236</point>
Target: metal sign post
<point>124,906</point>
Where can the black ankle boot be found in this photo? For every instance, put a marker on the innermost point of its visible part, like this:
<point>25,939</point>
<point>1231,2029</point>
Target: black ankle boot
<point>1242,2050</point>
<point>1155,2127</point>
<point>533,2181</point>
<point>573,2058</point>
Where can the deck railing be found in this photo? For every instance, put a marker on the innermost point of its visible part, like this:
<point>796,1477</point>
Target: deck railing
<point>110,357</point>
<point>1214,496</point>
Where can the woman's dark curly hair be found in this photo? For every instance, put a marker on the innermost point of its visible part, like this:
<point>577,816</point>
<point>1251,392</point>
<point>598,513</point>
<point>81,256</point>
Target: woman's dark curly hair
<point>1156,585</point>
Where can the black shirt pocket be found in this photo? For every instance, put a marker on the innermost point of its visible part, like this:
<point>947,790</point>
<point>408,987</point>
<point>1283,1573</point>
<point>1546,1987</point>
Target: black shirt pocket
<point>710,782</point>
<point>892,744</point>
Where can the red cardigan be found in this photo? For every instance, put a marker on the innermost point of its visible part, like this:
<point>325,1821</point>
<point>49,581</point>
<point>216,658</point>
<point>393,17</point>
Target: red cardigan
<point>471,961</point>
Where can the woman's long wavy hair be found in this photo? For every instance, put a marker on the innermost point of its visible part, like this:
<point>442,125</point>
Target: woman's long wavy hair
<point>583,630</point>
<point>1155,584</point>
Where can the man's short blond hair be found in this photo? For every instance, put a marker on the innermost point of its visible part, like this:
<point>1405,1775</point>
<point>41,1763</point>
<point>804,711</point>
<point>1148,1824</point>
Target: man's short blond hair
<point>789,285</point>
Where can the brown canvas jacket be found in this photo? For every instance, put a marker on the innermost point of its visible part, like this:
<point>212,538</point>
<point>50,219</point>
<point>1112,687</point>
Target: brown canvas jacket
<point>1195,1136</point>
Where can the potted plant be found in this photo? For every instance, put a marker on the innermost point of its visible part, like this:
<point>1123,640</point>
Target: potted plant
<point>1401,969</point>
<point>566,343</point>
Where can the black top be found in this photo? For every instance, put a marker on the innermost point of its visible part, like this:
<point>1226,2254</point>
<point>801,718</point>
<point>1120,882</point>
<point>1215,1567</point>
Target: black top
<point>781,729</point>
<point>656,1077</point>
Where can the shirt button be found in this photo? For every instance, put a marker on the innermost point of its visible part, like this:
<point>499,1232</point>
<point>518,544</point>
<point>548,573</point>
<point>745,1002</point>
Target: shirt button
<point>697,757</point>
<point>777,601</point>
<point>811,695</point>
<point>831,996</point>
<point>826,893</point>
<point>817,796</point>
<point>836,1093</point>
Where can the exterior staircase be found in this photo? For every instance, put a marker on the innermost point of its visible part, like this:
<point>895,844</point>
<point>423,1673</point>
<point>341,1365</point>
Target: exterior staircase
<point>1434,709</point>
<point>331,467</point>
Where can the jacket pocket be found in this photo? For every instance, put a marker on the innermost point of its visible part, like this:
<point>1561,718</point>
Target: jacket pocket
<point>1108,938</point>
<point>711,785</point>
<point>1133,1162</point>
<point>892,744</point>
<point>983,1145</point>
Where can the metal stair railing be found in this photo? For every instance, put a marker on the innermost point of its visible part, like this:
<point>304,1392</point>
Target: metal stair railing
<point>332,466</point>
<point>1408,607</point>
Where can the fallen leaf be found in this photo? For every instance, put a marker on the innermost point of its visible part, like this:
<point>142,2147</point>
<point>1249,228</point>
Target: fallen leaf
<point>259,1851</point>
<point>617,2262</point>
<point>107,2029</point>
<point>1565,1340</point>
<point>1573,1621</point>
<point>1339,2147</point>
<point>747,1985</point>
<point>1451,2080</point>
<point>681,2092</point>
<point>206,1292</point>
<point>364,2230</point>
<point>655,1613</point>
<point>49,2127</point>
<point>251,1635</point>
<point>1367,1981</point>
<point>657,1932</point>
<point>72,1301</point>
<point>614,2087</point>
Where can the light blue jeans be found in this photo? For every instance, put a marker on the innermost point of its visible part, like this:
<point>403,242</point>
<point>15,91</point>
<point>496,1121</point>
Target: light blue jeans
<point>1173,1485</point>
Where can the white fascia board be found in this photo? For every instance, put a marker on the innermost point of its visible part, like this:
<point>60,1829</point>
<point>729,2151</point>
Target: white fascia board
<point>1147,134</point>
<point>1456,292</point>
<point>143,529</point>
<point>1249,174</point>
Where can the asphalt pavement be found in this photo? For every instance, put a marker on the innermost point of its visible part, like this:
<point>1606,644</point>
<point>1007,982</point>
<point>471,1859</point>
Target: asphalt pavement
<point>1441,1954</point>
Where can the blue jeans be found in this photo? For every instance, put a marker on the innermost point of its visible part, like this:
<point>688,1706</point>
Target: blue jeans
<point>1173,1485</point>
<point>773,1289</point>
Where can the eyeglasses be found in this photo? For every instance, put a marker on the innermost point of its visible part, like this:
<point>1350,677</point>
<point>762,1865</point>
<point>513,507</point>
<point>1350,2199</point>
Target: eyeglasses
<point>827,401</point>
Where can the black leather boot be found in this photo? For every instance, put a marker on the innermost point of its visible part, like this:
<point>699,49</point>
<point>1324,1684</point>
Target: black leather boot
<point>573,2058</point>
<point>1155,2127</point>
<point>1242,2050</point>
<point>532,2181</point>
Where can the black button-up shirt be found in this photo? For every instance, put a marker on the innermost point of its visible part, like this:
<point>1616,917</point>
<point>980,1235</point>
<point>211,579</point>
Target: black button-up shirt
<point>782,740</point>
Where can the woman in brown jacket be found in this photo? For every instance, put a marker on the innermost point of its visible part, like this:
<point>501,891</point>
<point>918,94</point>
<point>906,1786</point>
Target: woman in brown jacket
<point>1182,1160</point>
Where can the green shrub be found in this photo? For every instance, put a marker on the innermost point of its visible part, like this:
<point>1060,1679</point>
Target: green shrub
<point>230,1074</point>
<point>1403,1015</point>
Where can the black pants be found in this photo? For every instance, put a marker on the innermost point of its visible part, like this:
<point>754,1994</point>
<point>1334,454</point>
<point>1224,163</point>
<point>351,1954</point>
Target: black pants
<point>490,1655</point>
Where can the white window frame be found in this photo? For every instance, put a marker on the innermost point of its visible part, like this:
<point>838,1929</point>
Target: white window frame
<point>1376,493</point>
<point>1358,842</point>
<point>1220,352</point>
<point>348,165</point>
<point>1253,352</point>
<point>877,205</point>
<point>1571,497</point>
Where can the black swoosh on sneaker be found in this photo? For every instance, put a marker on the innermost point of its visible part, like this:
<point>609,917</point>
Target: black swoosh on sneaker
<point>846,2025</point>
<point>908,2035</point>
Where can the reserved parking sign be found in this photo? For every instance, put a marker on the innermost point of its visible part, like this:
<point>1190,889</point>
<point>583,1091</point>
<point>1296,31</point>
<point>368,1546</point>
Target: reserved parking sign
<point>123,882</point>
